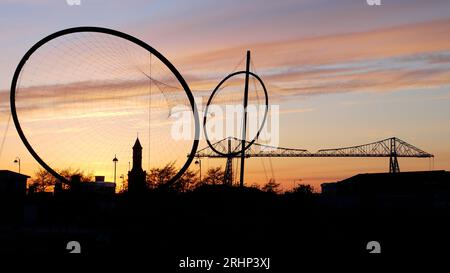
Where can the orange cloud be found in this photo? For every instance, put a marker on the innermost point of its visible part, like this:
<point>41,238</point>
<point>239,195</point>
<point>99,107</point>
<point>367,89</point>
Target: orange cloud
<point>380,43</point>
<point>410,56</point>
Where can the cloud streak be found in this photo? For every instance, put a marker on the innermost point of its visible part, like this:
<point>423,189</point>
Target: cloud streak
<point>396,58</point>
<point>389,59</point>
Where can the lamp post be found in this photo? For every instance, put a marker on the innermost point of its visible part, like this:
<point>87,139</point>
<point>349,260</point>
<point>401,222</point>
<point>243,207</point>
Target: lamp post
<point>199,163</point>
<point>115,167</point>
<point>17,161</point>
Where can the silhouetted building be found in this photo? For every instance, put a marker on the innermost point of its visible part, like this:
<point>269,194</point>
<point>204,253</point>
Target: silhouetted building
<point>12,183</point>
<point>424,188</point>
<point>136,177</point>
<point>97,187</point>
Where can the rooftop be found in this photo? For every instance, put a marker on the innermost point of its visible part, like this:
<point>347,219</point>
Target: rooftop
<point>4,173</point>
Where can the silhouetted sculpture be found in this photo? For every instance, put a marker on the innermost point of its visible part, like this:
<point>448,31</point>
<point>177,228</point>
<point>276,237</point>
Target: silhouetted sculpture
<point>136,177</point>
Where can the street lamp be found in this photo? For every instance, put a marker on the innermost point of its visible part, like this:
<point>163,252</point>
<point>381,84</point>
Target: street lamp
<point>115,167</point>
<point>199,163</point>
<point>17,161</point>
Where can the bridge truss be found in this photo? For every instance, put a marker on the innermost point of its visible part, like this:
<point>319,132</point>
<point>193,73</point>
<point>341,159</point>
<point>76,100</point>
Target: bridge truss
<point>390,147</point>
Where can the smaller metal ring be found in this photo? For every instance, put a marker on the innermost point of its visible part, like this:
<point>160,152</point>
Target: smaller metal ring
<point>236,153</point>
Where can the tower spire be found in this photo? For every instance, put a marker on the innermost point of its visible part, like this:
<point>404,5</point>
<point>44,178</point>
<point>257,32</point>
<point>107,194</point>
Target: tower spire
<point>137,155</point>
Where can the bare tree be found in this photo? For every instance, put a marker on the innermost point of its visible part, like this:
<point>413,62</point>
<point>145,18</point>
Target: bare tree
<point>84,177</point>
<point>157,177</point>
<point>271,186</point>
<point>304,189</point>
<point>214,176</point>
<point>42,180</point>
<point>188,181</point>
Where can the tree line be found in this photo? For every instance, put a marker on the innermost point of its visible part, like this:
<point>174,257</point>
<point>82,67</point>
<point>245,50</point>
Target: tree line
<point>43,181</point>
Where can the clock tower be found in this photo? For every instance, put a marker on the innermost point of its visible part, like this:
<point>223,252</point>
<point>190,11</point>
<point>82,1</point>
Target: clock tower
<point>136,177</point>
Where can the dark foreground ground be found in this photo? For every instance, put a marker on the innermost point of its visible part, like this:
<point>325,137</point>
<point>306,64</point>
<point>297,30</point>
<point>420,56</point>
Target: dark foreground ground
<point>161,229</point>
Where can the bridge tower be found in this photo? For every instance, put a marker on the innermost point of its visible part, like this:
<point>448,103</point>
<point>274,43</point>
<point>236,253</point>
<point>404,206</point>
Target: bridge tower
<point>393,162</point>
<point>390,147</point>
<point>228,175</point>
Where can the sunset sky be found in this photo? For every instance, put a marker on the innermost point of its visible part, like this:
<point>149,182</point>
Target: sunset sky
<point>343,73</point>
